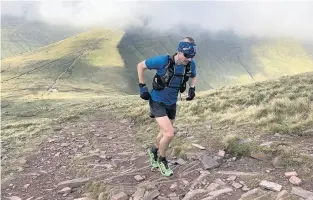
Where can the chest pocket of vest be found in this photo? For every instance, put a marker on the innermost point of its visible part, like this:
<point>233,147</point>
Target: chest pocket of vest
<point>174,77</point>
<point>178,76</point>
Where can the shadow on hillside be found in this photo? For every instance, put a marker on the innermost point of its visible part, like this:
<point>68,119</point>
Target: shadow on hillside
<point>221,58</point>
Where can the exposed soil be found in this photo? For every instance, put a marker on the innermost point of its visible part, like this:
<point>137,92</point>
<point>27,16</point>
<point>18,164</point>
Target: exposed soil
<point>100,149</point>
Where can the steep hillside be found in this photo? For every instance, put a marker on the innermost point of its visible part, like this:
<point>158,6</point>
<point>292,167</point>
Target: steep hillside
<point>223,58</point>
<point>87,63</point>
<point>20,36</point>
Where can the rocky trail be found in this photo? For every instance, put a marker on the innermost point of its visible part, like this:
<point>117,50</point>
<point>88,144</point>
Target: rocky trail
<point>97,158</point>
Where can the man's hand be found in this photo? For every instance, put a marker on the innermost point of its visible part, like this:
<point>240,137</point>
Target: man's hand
<point>144,93</point>
<point>191,93</point>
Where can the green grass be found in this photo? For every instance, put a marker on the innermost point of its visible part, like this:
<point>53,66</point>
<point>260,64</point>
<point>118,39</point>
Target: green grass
<point>280,58</point>
<point>98,44</point>
<point>249,110</point>
<point>95,188</point>
<point>287,108</point>
<point>232,144</point>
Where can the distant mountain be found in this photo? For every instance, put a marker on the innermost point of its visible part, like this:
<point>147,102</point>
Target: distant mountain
<point>104,62</point>
<point>223,58</point>
<point>19,35</point>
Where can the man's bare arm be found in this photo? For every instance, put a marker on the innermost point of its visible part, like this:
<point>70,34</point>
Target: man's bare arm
<point>140,69</point>
<point>193,81</point>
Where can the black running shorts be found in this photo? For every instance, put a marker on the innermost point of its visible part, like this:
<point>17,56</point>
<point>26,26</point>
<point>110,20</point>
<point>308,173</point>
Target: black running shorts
<point>158,109</point>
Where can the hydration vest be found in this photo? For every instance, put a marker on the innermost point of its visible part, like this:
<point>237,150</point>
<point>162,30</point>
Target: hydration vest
<point>161,82</point>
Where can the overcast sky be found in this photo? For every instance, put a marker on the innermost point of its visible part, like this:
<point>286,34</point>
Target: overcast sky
<point>269,18</point>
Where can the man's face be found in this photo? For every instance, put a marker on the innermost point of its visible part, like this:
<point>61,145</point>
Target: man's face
<point>184,59</point>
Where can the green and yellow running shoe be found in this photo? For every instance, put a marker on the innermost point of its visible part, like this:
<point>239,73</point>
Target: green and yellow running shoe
<point>164,168</point>
<point>153,158</point>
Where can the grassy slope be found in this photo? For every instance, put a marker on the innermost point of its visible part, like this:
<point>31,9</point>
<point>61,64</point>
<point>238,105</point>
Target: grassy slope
<point>91,40</point>
<point>283,105</point>
<point>282,57</point>
<point>83,64</point>
<point>19,37</point>
<point>83,74</point>
<point>252,112</point>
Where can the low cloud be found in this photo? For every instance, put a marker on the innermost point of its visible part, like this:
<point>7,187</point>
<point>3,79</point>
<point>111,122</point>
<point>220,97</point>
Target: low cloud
<point>264,18</point>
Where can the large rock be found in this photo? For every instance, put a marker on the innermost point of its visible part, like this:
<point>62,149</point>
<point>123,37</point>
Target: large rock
<point>73,183</point>
<point>221,153</point>
<point>65,190</point>
<point>301,192</point>
<point>14,198</point>
<point>290,174</point>
<point>180,161</point>
<point>236,173</point>
<point>209,162</point>
<point>214,194</point>
<point>212,187</point>
<point>198,180</point>
<point>259,156</point>
<point>162,198</point>
<point>295,180</point>
<point>193,193</point>
<point>193,156</point>
<point>282,194</point>
<point>231,178</point>
<point>220,191</point>
<point>198,146</point>
<point>237,185</point>
<point>139,178</point>
<point>253,194</point>
<point>219,181</point>
<point>120,196</point>
<point>151,195</point>
<point>270,185</point>
<point>22,161</point>
<point>139,194</point>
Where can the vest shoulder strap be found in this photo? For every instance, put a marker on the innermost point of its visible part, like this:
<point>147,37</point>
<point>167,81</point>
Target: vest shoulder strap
<point>171,62</point>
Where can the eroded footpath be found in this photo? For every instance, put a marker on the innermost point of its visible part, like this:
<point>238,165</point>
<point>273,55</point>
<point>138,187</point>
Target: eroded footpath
<point>99,158</point>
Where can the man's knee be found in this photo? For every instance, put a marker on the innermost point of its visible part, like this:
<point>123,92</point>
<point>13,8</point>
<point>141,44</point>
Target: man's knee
<point>166,126</point>
<point>169,132</point>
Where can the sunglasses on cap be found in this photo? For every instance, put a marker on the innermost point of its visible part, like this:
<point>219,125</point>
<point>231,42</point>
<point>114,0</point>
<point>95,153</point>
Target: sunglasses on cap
<point>188,55</point>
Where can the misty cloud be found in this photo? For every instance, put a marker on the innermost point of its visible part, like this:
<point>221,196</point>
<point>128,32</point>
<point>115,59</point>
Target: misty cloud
<point>290,19</point>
